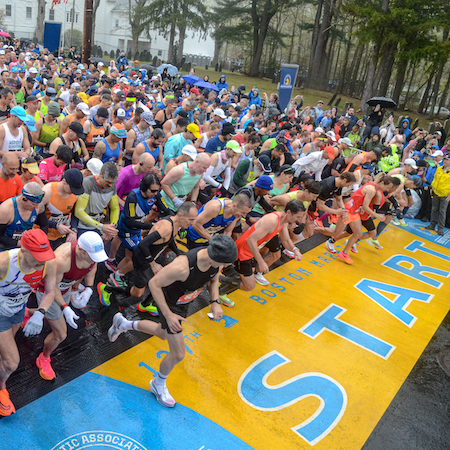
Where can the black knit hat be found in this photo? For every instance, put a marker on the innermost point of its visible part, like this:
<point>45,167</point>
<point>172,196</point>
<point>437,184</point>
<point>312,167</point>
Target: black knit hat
<point>222,249</point>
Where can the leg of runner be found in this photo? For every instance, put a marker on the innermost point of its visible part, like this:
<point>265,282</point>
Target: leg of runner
<point>51,342</point>
<point>357,233</point>
<point>9,361</point>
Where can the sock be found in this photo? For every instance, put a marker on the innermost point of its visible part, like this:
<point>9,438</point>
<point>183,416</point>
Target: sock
<point>160,379</point>
<point>380,227</point>
<point>300,236</point>
<point>324,216</point>
<point>127,325</point>
<point>134,325</point>
<point>405,210</point>
<point>147,301</point>
<point>332,240</point>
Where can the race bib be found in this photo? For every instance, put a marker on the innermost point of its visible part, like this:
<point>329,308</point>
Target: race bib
<point>12,305</point>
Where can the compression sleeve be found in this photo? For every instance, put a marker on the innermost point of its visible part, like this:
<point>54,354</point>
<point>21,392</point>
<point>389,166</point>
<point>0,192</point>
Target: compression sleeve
<point>209,179</point>
<point>80,211</point>
<point>42,221</point>
<point>227,180</point>
<point>115,210</point>
<point>353,167</point>
<point>265,206</point>
<point>394,202</point>
<point>146,243</point>
<point>131,219</point>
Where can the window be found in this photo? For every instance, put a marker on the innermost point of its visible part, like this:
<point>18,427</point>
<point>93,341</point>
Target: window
<point>117,23</point>
<point>76,17</point>
<point>29,12</point>
<point>69,16</point>
<point>159,52</point>
<point>51,14</point>
<point>8,10</point>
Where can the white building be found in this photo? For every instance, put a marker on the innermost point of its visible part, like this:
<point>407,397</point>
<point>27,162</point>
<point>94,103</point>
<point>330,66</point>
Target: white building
<point>112,30</point>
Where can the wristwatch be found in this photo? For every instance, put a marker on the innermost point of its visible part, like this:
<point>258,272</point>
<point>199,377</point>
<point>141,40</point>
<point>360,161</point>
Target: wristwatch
<point>216,301</point>
<point>42,311</point>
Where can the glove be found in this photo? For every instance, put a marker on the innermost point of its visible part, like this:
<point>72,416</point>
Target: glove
<point>34,324</point>
<point>70,317</point>
<point>80,299</point>
<point>177,202</point>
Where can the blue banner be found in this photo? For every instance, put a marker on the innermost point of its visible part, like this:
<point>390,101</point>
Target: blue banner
<point>287,83</point>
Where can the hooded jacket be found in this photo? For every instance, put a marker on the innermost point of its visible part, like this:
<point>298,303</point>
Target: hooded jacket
<point>223,85</point>
<point>254,100</point>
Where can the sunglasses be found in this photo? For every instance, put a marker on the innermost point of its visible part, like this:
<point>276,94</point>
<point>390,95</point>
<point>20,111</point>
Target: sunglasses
<point>108,181</point>
<point>154,190</point>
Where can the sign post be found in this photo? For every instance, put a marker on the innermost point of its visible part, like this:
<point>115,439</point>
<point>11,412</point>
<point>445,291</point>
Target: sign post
<point>287,83</point>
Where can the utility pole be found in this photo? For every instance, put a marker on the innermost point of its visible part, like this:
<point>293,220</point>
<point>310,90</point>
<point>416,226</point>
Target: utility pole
<point>87,30</point>
<point>73,18</point>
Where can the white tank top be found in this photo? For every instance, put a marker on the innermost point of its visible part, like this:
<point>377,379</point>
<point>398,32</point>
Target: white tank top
<point>17,286</point>
<point>12,143</point>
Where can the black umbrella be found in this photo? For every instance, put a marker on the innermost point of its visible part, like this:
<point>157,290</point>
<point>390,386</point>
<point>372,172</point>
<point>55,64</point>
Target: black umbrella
<point>95,59</point>
<point>384,102</point>
<point>147,67</point>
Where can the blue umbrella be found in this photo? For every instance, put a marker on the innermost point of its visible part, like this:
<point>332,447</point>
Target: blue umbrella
<point>191,79</point>
<point>206,85</point>
<point>171,70</point>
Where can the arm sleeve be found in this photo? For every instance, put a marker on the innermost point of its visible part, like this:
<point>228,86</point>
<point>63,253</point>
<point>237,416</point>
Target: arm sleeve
<point>265,206</point>
<point>80,211</point>
<point>130,214</point>
<point>173,246</point>
<point>6,240</point>
<point>42,221</point>
<point>208,178</point>
<point>227,181</point>
<point>146,243</point>
<point>352,168</point>
<point>115,210</point>
<point>394,202</point>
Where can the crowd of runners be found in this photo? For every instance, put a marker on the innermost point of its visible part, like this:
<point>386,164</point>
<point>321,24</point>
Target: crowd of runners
<point>98,164</point>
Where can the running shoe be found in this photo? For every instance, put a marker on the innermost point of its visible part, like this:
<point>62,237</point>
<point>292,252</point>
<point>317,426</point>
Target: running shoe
<point>114,330</point>
<point>440,232</point>
<point>330,246</point>
<point>26,318</point>
<point>318,223</point>
<point>162,395</point>
<point>259,277</point>
<point>151,309</point>
<point>430,227</point>
<point>403,223</point>
<point>232,281</point>
<point>111,265</point>
<point>345,257</point>
<point>375,243</point>
<point>289,253</point>
<point>395,221</point>
<point>115,280</point>
<point>226,301</point>
<point>103,296</point>
<point>354,249</point>
<point>6,405</point>
<point>45,369</point>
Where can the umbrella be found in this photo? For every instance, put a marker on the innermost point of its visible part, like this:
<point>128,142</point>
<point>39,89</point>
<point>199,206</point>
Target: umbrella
<point>95,59</point>
<point>206,85</point>
<point>147,67</point>
<point>171,70</point>
<point>384,102</point>
<point>191,79</point>
<point>5,34</point>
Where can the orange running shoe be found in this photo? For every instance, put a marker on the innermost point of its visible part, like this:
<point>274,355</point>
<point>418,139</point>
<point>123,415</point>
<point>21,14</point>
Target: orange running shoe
<point>6,405</point>
<point>345,257</point>
<point>45,369</point>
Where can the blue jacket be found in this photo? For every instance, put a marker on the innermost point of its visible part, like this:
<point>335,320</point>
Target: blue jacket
<point>223,85</point>
<point>254,100</point>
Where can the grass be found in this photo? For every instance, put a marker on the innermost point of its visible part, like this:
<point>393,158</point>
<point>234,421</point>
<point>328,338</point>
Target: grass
<point>310,96</point>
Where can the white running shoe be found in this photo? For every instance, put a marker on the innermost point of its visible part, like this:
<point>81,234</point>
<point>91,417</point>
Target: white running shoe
<point>330,246</point>
<point>259,277</point>
<point>114,331</point>
<point>354,249</point>
<point>289,253</point>
<point>162,395</point>
<point>395,221</point>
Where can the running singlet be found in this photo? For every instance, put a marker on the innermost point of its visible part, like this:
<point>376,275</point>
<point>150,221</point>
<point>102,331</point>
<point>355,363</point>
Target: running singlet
<point>12,143</point>
<point>48,133</point>
<point>58,210</point>
<point>18,226</point>
<point>244,253</point>
<point>354,205</point>
<point>17,286</point>
<point>73,275</point>
<point>137,207</point>
<point>183,292</point>
<point>95,135</point>
<point>140,136</point>
<point>359,167</point>
<point>214,226</point>
<point>154,153</point>
<point>110,154</point>
<point>128,112</point>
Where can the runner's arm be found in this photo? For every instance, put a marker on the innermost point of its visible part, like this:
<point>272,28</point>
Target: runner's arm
<point>80,212</point>
<point>50,284</point>
<point>262,228</point>
<point>115,210</point>
<point>211,210</point>
<point>289,245</point>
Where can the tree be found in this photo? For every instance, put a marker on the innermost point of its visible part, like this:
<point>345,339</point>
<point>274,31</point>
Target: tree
<point>139,18</point>
<point>77,37</point>
<point>40,19</point>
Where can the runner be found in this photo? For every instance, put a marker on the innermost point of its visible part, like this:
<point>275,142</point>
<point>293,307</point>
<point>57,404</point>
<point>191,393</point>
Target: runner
<point>75,261</point>
<point>21,270</point>
<point>261,238</point>
<point>173,288</point>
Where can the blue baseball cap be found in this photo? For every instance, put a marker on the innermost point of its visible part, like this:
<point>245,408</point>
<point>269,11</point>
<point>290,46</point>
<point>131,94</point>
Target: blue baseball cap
<point>368,167</point>
<point>30,123</point>
<point>19,112</point>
